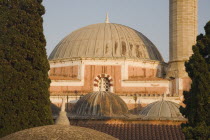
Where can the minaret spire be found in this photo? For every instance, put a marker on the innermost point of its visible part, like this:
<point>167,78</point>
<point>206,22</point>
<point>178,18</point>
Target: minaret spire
<point>107,18</point>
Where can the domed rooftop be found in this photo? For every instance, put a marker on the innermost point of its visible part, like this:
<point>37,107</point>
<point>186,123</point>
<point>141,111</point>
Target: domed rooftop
<point>162,110</point>
<point>106,40</point>
<point>61,132</point>
<point>100,104</point>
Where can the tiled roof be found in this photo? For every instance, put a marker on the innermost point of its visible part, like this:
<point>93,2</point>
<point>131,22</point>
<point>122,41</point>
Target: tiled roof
<point>139,131</point>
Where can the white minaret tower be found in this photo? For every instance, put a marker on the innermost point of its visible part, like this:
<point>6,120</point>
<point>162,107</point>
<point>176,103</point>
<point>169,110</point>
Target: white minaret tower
<point>183,32</point>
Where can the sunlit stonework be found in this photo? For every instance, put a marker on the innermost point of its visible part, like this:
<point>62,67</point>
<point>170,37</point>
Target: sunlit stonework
<point>116,58</point>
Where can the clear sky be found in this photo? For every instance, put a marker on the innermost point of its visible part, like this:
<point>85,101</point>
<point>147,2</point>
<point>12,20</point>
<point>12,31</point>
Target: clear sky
<point>150,17</point>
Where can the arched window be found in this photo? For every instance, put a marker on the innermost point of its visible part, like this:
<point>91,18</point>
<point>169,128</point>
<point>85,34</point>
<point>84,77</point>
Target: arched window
<point>123,48</point>
<point>131,47</point>
<point>104,84</point>
<point>107,49</point>
<point>138,52</point>
<point>115,47</point>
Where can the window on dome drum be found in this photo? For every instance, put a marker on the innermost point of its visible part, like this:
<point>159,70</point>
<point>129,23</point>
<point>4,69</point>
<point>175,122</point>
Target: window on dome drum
<point>115,47</point>
<point>131,47</point>
<point>138,53</point>
<point>106,51</point>
<point>123,48</point>
<point>104,84</point>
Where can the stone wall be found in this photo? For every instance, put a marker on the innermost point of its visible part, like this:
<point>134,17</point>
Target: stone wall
<point>139,72</point>
<point>64,73</point>
<point>128,78</point>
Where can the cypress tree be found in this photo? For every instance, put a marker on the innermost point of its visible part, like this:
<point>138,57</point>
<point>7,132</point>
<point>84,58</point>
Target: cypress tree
<point>24,82</point>
<point>197,100</point>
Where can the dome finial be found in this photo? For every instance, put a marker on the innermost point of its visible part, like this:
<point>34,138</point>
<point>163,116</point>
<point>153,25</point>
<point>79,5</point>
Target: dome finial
<point>107,18</point>
<point>62,118</point>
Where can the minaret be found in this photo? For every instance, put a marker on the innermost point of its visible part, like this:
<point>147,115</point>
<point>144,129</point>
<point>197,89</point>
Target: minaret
<point>183,32</point>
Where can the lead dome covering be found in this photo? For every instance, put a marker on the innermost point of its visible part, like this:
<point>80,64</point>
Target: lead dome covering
<point>106,40</point>
<point>162,110</point>
<point>100,104</point>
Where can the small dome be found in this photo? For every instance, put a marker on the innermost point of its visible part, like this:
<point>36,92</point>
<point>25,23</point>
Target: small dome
<point>106,40</point>
<point>100,104</point>
<point>162,110</point>
<point>61,132</point>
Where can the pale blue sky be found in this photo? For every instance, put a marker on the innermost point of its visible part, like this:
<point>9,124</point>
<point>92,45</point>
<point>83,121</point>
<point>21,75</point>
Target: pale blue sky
<point>150,17</point>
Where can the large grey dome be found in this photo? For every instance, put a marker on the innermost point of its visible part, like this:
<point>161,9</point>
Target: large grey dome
<point>100,104</point>
<point>162,110</point>
<point>106,40</point>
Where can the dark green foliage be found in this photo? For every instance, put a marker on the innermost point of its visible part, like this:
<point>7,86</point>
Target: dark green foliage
<point>207,29</point>
<point>197,100</point>
<point>24,82</point>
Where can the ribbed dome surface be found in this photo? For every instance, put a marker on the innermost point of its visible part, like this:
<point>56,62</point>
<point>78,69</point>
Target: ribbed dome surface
<point>106,40</point>
<point>162,110</point>
<point>100,104</point>
<point>58,132</point>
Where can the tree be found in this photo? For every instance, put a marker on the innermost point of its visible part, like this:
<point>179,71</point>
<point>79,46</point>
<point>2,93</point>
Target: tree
<point>24,82</point>
<point>197,100</point>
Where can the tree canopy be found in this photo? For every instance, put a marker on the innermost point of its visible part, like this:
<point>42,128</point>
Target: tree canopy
<point>197,100</point>
<point>24,82</point>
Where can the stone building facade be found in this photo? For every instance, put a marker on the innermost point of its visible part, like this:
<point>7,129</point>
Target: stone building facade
<point>116,58</point>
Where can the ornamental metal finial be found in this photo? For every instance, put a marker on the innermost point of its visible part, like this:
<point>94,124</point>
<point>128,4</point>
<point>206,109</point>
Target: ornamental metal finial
<point>107,18</point>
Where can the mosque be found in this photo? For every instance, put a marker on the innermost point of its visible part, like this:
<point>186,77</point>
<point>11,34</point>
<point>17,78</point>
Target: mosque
<point>99,73</point>
<point>113,79</point>
<point>116,58</point>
